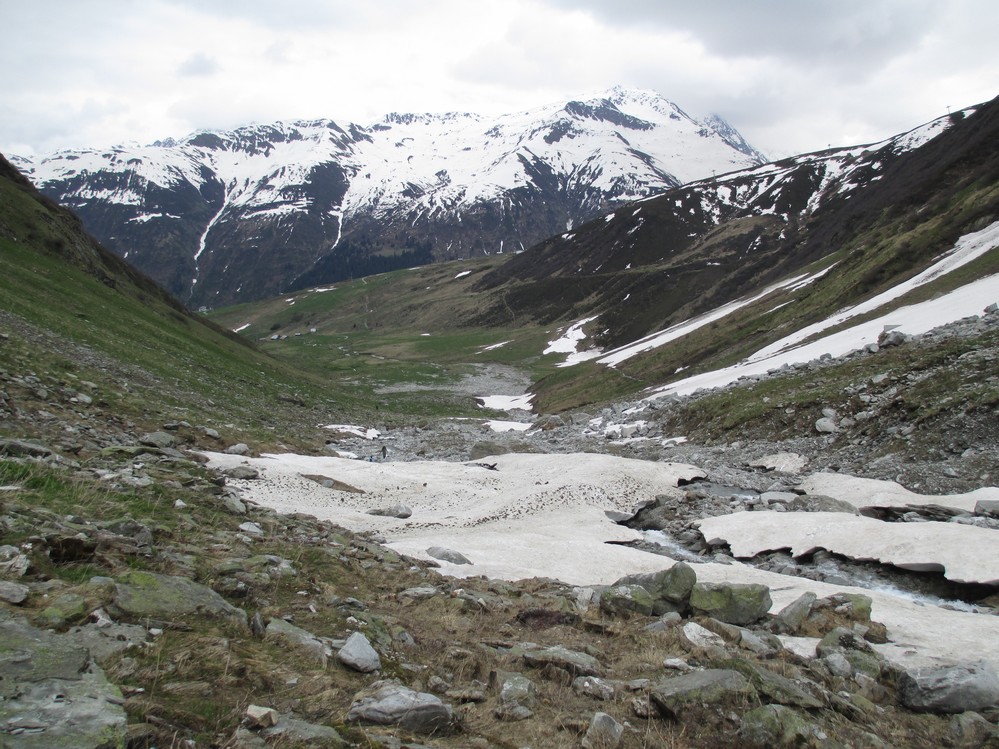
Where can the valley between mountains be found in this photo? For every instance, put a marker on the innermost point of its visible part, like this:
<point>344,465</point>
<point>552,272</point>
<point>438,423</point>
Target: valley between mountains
<point>715,468</point>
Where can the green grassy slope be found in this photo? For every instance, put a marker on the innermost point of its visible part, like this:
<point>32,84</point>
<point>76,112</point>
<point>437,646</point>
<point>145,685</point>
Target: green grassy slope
<point>77,313</point>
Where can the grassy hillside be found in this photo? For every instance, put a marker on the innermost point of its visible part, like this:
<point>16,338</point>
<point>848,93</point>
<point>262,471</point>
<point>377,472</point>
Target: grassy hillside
<point>72,312</point>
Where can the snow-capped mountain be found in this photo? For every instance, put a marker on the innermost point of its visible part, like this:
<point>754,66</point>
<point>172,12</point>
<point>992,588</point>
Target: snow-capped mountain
<point>877,213</point>
<point>219,217</point>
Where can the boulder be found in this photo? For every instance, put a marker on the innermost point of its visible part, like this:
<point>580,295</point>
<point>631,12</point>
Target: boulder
<point>65,609</point>
<point>669,588</point>
<point>158,439</point>
<point>244,473</point>
<point>391,704</point>
<point>790,618</point>
<point>772,687</point>
<point>591,686</point>
<point>517,695</point>
<point>53,694</point>
<point>733,603</point>
<point>826,425</point>
<point>713,686</point>
<point>576,663</point>
<point>790,463</point>
<point>624,600</point>
<point>294,732</point>
<point>13,592</point>
<point>296,638</point>
<point>23,449</point>
<point>147,595</point>
<point>603,733</point>
<point>700,637</point>
<point>448,555</point>
<point>989,507</point>
<point>358,654</point>
<point>777,726</point>
<point>949,689</point>
<point>240,448</point>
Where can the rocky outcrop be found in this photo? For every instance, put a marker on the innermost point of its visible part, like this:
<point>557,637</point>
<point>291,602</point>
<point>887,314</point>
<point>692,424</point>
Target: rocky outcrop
<point>391,704</point>
<point>53,694</point>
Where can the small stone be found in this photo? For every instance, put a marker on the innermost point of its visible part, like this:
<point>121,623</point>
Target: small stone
<point>261,717</point>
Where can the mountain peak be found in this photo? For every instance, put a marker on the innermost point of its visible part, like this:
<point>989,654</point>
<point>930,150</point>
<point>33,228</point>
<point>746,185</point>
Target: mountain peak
<point>209,215</point>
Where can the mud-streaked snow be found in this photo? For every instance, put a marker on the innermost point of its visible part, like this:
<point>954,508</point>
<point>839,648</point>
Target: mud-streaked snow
<point>545,516</point>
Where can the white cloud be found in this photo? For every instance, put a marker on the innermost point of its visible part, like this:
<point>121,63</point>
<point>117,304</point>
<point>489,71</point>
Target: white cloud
<point>791,76</point>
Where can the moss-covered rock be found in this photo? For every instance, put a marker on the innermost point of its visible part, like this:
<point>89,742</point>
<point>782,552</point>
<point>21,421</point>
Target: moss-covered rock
<point>714,686</point>
<point>777,726</point>
<point>734,603</point>
<point>670,588</point>
<point>147,595</point>
<point>624,600</point>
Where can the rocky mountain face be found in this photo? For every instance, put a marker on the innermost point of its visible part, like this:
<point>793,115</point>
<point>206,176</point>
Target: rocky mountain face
<point>220,217</point>
<point>880,211</point>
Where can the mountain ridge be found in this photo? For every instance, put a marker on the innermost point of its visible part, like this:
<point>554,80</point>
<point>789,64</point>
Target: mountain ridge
<point>224,216</point>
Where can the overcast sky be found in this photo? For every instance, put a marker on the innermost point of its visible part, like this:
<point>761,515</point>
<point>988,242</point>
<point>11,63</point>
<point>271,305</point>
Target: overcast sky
<point>791,75</point>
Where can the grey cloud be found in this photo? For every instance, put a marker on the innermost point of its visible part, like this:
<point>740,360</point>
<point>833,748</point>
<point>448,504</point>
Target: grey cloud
<point>847,33</point>
<point>198,64</point>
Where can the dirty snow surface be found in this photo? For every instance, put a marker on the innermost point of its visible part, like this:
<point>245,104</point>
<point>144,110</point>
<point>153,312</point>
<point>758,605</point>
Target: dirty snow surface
<point>519,516</point>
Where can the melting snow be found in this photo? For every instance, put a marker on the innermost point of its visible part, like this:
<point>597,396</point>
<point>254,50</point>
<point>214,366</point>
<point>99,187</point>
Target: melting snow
<point>365,432</point>
<point>508,426</point>
<point>507,402</point>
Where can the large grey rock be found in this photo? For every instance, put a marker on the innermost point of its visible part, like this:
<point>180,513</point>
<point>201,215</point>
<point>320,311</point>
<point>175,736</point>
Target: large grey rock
<point>517,695</point>
<point>700,637</point>
<point>158,439</point>
<point>358,654</point>
<point>294,732</point>
<point>244,473</point>
<point>987,507</point>
<point>713,686</point>
<point>391,704</point>
<point>13,592</point>
<point>670,588</point>
<point>576,663</point>
<point>949,689</point>
<point>772,687</point>
<point>777,726</point>
<point>603,733</point>
<point>826,425</point>
<point>733,603</point>
<point>448,555</point>
<point>624,600</point>
<point>303,641</point>
<point>23,448</point>
<point>790,618</point>
<point>52,694</point>
<point>147,595</point>
<point>13,564</point>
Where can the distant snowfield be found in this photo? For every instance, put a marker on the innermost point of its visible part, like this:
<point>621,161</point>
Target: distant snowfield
<point>545,516</point>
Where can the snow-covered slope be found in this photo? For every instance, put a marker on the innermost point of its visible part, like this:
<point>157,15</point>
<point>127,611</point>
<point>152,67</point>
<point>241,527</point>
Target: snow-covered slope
<point>223,216</point>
